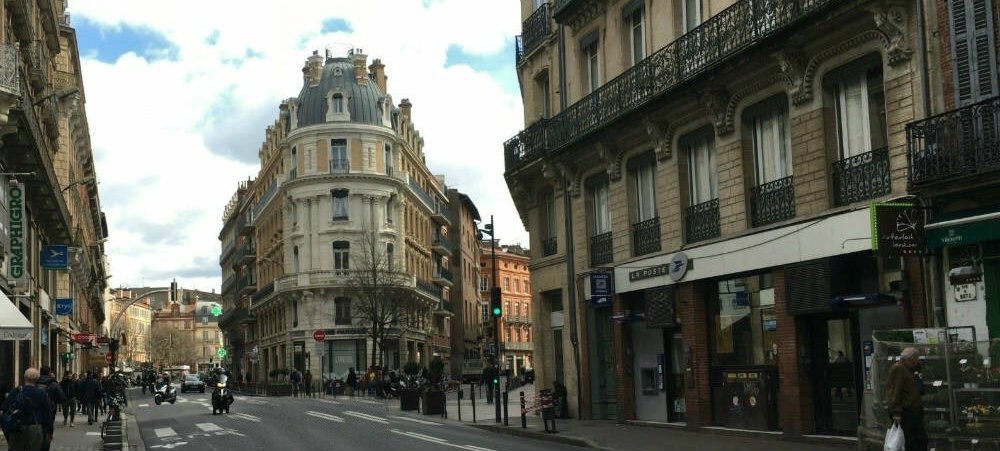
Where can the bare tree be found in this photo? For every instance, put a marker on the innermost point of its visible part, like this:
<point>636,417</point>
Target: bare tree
<point>382,299</point>
<point>170,347</point>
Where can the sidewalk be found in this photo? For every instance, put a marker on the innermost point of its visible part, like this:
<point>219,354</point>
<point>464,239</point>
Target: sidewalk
<point>65,438</point>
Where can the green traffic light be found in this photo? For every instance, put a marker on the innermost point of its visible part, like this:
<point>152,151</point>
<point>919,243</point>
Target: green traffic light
<point>496,311</point>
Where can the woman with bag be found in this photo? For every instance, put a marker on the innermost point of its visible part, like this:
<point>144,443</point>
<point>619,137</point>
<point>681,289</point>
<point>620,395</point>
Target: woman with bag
<point>905,409</point>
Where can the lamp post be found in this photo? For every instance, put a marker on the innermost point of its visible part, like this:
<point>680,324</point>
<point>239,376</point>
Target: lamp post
<point>496,311</point>
<point>86,179</point>
<point>113,342</point>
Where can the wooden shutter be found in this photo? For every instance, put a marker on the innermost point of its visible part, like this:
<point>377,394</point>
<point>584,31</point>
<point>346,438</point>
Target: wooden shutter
<point>973,55</point>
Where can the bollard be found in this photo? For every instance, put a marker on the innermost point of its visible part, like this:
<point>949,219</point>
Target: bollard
<point>506,417</point>
<point>460,394</point>
<point>524,415</point>
<point>472,385</point>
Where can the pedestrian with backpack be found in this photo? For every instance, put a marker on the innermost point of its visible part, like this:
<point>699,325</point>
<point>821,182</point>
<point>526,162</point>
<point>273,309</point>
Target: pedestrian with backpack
<point>69,387</point>
<point>25,416</point>
<point>91,394</point>
<point>48,383</point>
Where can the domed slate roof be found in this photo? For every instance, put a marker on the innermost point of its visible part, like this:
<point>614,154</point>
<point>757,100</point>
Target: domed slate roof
<point>338,73</point>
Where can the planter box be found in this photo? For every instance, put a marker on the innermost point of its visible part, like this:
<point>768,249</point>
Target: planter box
<point>409,399</point>
<point>433,402</point>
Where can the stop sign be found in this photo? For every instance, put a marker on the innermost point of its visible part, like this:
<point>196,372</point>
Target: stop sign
<point>319,335</point>
<point>107,357</point>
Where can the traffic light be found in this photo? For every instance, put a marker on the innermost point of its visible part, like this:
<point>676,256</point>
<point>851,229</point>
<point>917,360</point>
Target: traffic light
<point>173,291</point>
<point>495,302</point>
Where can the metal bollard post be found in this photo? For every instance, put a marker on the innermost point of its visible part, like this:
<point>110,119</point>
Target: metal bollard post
<point>472,385</point>
<point>524,415</point>
<point>505,416</point>
<point>460,394</point>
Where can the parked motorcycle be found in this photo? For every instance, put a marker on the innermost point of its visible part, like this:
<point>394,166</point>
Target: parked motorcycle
<point>222,398</point>
<point>166,393</point>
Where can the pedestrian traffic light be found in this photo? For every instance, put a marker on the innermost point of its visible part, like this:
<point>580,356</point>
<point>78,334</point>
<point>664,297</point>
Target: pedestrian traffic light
<point>495,302</point>
<point>173,291</point>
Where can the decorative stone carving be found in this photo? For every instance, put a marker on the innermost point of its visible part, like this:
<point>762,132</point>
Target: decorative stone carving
<point>612,157</point>
<point>715,101</point>
<point>587,11</point>
<point>572,178</point>
<point>736,98</point>
<point>662,134</point>
<point>809,74</point>
<point>793,70</point>
<point>891,21</point>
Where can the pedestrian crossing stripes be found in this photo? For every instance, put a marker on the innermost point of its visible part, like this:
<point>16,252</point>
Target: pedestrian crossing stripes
<point>417,420</point>
<point>369,402</point>
<point>330,401</point>
<point>246,416</point>
<point>325,416</point>
<point>144,405</point>
<point>365,416</point>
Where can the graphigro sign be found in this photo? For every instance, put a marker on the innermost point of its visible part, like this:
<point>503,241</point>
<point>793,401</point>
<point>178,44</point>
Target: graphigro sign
<point>15,271</point>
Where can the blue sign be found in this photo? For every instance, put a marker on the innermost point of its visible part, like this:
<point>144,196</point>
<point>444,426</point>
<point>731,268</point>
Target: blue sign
<point>55,257</point>
<point>64,306</point>
<point>600,289</point>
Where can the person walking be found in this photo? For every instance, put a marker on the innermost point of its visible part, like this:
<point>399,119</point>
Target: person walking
<point>296,378</point>
<point>91,396</point>
<point>352,381</point>
<point>69,387</point>
<point>903,398</point>
<point>36,426</point>
<point>488,374</point>
<point>307,381</point>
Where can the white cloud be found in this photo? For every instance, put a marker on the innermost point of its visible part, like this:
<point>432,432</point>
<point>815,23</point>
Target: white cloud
<point>173,135</point>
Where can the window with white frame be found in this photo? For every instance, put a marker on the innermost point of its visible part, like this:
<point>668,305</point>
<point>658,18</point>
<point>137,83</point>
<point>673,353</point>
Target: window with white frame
<point>768,121</point>
<point>636,33</point>
<point>338,155</point>
<point>388,159</point>
<point>341,257</point>
<point>338,103</point>
<point>591,60</point>
<point>599,196</point>
<point>294,163</point>
<point>642,170</point>
<point>692,14</point>
<point>702,175</point>
<point>484,283</point>
<point>340,203</point>
<point>859,97</point>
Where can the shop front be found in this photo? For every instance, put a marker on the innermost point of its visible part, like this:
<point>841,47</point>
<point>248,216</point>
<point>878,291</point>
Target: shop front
<point>653,327</point>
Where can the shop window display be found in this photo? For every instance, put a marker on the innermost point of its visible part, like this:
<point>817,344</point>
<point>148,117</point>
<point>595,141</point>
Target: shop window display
<point>744,323</point>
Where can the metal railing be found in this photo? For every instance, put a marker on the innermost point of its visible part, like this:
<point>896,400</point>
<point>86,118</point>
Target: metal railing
<point>340,166</point>
<point>228,283</point>
<point>861,177</point>
<point>263,292</point>
<point>518,346</point>
<point>265,198</point>
<point>722,36</point>
<point>518,49</point>
<point>959,143</point>
<point>772,202</point>
<point>429,288</point>
<point>9,80</point>
<point>549,246</point>
<point>246,251</point>
<point>601,251</point>
<point>701,221</point>
<point>646,236</point>
<point>426,198</point>
<point>441,273</point>
<point>535,28</point>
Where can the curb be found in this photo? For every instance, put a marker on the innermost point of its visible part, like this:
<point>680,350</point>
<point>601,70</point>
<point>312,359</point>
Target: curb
<point>564,439</point>
<point>131,438</point>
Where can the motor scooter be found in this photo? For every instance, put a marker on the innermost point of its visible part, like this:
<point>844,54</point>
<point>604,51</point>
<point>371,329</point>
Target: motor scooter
<point>166,393</point>
<point>222,398</point>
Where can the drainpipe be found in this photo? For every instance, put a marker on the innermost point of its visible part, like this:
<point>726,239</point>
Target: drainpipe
<point>933,265</point>
<point>925,84</point>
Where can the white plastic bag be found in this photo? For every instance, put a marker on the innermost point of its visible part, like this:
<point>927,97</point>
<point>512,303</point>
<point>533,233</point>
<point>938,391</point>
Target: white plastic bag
<point>894,440</point>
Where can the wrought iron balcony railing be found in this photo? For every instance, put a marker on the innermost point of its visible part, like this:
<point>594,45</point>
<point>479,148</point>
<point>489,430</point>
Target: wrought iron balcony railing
<point>646,236</point>
<point>724,35</point>
<point>263,292</point>
<point>265,198</point>
<point>429,288</point>
<point>9,81</point>
<point>228,283</point>
<point>536,28</point>
<point>861,177</point>
<point>423,195</point>
<point>600,249</point>
<point>549,246</point>
<point>960,143</point>
<point>518,49</point>
<point>701,221</point>
<point>340,166</point>
<point>772,202</point>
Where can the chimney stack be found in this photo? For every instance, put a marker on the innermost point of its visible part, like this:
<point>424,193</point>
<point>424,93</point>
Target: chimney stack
<point>405,106</point>
<point>359,59</point>
<point>377,70</point>
<point>313,70</point>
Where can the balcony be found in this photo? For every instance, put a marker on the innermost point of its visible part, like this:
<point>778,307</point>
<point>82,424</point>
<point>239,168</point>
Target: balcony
<point>445,309</point>
<point>535,28</point>
<point>720,38</point>
<point>440,246</point>
<point>247,284</point>
<point>265,199</point>
<point>263,292</point>
<point>245,254</point>
<point>440,214</point>
<point>244,225</point>
<point>340,166</point>
<point>10,83</point>
<point>861,177</point>
<point>549,246</point>
<point>701,221</point>
<point>517,319</point>
<point>772,202</point>
<point>429,288</point>
<point>426,198</point>
<point>600,249</point>
<point>956,145</point>
<point>443,277</point>
<point>228,283</point>
<point>646,237</point>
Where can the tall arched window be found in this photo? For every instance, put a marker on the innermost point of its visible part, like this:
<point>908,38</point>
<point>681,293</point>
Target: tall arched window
<point>389,255</point>
<point>295,258</point>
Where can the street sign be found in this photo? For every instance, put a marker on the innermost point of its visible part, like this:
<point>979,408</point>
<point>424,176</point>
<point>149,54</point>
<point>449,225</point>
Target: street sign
<point>221,352</point>
<point>319,335</point>
<point>600,289</point>
<point>64,306</point>
<point>216,310</point>
<point>83,337</point>
<point>55,257</point>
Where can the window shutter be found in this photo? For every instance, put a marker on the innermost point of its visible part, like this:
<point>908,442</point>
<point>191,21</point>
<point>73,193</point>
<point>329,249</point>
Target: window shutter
<point>982,42</point>
<point>973,59</point>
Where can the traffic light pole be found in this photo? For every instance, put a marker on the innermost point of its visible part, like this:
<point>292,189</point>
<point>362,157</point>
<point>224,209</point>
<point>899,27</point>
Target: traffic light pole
<point>496,319</point>
<point>113,342</point>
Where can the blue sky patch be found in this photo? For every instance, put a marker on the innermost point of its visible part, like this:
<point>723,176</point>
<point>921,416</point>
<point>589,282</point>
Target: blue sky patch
<point>500,65</point>
<point>335,24</point>
<point>108,44</point>
<point>213,38</point>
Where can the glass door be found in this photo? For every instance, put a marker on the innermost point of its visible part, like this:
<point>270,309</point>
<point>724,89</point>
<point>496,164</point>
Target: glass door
<point>835,375</point>
<point>676,406</point>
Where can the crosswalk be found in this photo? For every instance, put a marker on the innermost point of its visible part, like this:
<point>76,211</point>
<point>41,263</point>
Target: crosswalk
<point>325,416</point>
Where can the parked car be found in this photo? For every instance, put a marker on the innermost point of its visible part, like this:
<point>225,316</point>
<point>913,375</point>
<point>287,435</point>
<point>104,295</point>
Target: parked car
<point>192,383</point>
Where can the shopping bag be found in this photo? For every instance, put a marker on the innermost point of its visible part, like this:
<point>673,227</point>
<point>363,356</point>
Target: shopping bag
<point>894,438</point>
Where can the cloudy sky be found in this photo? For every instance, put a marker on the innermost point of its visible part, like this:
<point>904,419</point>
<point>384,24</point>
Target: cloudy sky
<point>179,94</point>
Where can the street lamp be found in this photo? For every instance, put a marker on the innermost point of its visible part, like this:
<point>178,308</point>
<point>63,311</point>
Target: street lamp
<point>496,311</point>
<point>86,179</point>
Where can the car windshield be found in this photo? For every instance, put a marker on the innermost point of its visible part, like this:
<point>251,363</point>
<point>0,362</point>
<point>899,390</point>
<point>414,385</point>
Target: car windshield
<point>192,378</point>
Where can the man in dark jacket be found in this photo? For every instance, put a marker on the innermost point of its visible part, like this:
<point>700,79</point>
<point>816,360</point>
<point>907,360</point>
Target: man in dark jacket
<point>48,383</point>
<point>69,387</point>
<point>91,394</point>
<point>903,398</point>
<point>36,429</point>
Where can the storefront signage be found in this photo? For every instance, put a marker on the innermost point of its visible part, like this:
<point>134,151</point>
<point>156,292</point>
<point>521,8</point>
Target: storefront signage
<point>83,337</point>
<point>64,306</point>
<point>601,288</point>
<point>15,270</point>
<point>679,265</point>
<point>897,229</point>
<point>54,256</point>
<point>965,292</point>
<point>650,272</point>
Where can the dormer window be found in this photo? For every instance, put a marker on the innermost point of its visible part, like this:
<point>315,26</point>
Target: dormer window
<point>338,103</point>
<point>336,106</point>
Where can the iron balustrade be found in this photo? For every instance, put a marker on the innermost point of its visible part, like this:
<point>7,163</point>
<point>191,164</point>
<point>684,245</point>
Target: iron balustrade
<point>701,221</point>
<point>263,292</point>
<point>228,283</point>
<point>549,246</point>
<point>340,166</point>
<point>535,28</point>
<point>441,273</point>
<point>9,80</point>
<point>265,198</point>
<point>429,288</point>
<point>959,143</point>
<point>426,198</point>
<point>600,249</point>
<point>861,177</point>
<point>246,251</point>
<point>722,36</point>
<point>646,236</point>
<point>772,202</point>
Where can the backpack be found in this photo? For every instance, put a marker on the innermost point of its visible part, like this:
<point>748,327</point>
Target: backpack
<point>15,412</point>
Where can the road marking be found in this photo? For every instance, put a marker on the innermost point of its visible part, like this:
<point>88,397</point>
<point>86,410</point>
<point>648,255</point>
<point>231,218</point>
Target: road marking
<point>428,438</point>
<point>478,448</point>
<point>93,433</point>
<point>417,420</point>
<point>369,402</point>
<point>202,399</point>
<point>325,416</point>
<point>330,401</point>
<point>365,416</point>
<point>164,432</point>
<point>208,427</point>
<point>143,405</point>
<point>169,445</point>
<point>246,417</point>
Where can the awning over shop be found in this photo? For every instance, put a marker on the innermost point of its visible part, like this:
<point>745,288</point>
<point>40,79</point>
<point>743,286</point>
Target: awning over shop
<point>957,230</point>
<point>854,301</point>
<point>13,324</point>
